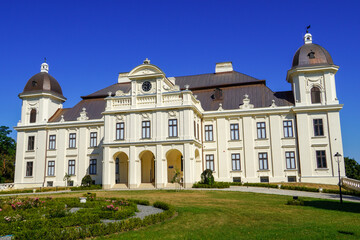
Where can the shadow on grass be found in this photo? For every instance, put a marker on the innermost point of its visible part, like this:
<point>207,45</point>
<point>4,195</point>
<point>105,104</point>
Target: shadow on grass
<point>337,206</point>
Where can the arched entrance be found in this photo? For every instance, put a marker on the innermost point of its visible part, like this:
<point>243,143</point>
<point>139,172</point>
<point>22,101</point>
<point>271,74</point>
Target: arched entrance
<point>121,167</point>
<point>147,167</point>
<point>174,163</point>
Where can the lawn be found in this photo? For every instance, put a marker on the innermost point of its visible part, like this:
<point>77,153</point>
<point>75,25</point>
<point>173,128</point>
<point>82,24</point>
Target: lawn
<point>237,215</point>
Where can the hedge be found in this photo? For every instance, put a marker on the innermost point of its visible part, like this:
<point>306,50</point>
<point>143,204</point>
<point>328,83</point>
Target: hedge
<point>91,187</point>
<point>97,229</point>
<point>299,188</point>
<point>214,185</point>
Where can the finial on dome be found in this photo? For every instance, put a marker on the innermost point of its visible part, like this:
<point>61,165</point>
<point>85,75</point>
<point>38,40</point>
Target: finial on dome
<point>147,61</point>
<point>308,36</point>
<point>44,66</point>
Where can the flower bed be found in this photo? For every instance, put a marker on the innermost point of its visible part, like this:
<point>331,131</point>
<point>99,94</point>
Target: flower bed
<point>67,218</point>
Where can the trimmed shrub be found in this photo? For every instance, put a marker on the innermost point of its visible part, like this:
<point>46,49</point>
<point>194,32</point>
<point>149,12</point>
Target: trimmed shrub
<point>298,188</point>
<point>86,181</point>
<point>207,177</point>
<point>214,185</point>
<point>161,205</point>
<point>91,187</point>
<point>265,185</point>
<point>297,202</point>
<point>139,201</point>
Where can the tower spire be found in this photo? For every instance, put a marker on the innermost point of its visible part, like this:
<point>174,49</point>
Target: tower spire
<point>44,66</point>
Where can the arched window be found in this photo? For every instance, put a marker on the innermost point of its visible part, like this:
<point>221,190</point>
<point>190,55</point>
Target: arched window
<point>315,95</point>
<point>33,115</point>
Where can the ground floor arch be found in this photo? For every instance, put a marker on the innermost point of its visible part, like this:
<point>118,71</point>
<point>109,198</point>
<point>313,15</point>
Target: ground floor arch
<point>147,160</point>
<point>175,163</point>
<point>121,167</point>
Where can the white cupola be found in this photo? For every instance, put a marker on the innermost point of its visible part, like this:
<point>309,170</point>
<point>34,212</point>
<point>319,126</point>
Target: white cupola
<point>308,38</point>
<point>44,67</point>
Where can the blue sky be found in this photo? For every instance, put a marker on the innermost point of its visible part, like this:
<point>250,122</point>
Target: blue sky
<point>87,43</point>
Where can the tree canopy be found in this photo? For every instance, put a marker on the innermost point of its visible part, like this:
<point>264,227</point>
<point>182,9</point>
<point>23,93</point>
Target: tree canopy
<point>7,155</point>
<point>352,168</point>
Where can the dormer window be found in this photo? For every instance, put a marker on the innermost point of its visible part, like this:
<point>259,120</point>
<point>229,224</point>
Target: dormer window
<point>33,115</point>
<point>34,83</point>
<point>311,54</point>
<point>217,94</point>
<point>315,95</point>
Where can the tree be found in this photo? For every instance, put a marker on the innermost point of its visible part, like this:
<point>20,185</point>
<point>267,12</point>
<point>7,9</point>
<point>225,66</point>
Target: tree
<point>86,181</point>
<point>352,168</point>
<point>67,178</point>
<point>177,177</point>
<point>207,177</point>
<point>7,155</point>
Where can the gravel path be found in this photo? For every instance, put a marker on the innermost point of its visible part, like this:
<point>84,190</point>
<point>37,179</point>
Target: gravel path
<point>143,212</point>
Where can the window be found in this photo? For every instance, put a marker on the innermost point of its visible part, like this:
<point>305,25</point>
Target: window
<point>117,162</point>
<point>235,158</point>
<point>315,95</point>
<point>33,115</point>
<point>210,162</point>
<point>93,139</point>
<point>234,131</point>
<point>290,160</point>
<point>318,127</point>
<point>321,159</point>
<point>236,179</point>
<point>288,129</point>
<point>120,131</point>
<point>261,131</point>
<point>52,141</point>
<point>92,169</point>
<point>173,128</point>
<point>264,179</point>
<point>72,140</point>
<point>291,178</point>
<point>51,168</point>
<point>29,169</point>
<point>31,143</point>
<point>263,161</point>
<point>209,133</point>
<point>146,129</point>
<point>50,183</point>
<point>195,130</point>
<point>71,167</point>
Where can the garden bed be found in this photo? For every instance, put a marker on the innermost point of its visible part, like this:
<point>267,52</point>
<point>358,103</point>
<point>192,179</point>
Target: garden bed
<point>68,218</point>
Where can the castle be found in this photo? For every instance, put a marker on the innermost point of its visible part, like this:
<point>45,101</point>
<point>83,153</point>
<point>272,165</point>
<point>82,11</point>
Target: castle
<point>147,126</point>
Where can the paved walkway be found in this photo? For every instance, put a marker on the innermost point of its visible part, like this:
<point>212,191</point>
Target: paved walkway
<point>276,191</point>
<point>235,189</point>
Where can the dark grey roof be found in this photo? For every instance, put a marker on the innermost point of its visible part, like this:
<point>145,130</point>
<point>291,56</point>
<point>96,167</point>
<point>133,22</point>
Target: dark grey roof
<point>125,87</point>
<point>43,82</point>
<point>259,95</point>
<point>302,59</point>
<point>214,79</point>
<point>94,108</point>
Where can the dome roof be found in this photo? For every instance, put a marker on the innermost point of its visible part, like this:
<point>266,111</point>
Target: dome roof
<point>43,82</point>
<point>311,54</point>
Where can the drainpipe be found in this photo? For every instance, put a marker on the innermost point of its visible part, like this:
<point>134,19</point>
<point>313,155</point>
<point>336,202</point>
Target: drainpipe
<point>202,146</point>
<point>297,143</point>
<point>46,143</point>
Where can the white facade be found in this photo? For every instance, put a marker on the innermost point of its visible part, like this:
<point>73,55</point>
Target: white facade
<point>156,126</point>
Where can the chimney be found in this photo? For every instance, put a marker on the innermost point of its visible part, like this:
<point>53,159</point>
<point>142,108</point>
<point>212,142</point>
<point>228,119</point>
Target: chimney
<point>223,67</point>
<point>123,78</point>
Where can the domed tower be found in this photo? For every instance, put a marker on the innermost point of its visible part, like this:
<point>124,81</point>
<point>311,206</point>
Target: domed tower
<point>312,75</point>
<point>42,96</point>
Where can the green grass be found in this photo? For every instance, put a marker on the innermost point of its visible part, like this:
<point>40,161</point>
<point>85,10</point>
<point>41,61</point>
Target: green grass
<point>238,215</point>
